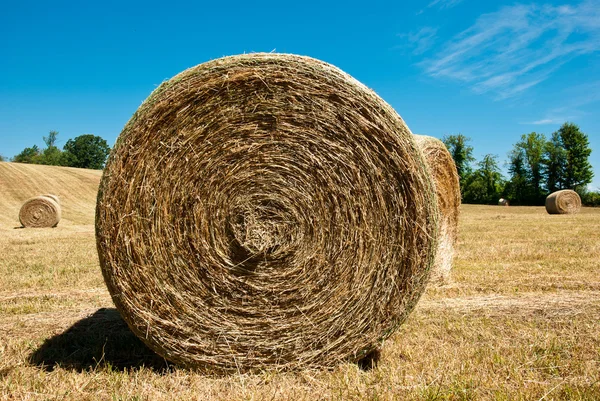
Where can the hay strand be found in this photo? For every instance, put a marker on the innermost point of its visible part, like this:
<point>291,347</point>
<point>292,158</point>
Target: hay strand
<point>565,201</point>
<point>265,211</point>
<point>445,178</point>
<point>39,212</point>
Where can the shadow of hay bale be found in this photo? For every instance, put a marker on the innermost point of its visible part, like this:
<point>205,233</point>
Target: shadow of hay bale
<point>98,341</point>
<point>103,340</point>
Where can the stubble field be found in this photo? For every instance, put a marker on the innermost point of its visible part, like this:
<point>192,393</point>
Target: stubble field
<point>520,319</point>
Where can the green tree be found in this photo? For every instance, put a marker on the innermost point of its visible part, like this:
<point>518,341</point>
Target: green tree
<point>526,165</point>
<point>533,144</point>
<point>555,160</point>
<point>52,156</point>
<point>517,189</point>
<point>28,155</point>
<point>590,198</point>
<point>2,158</point>
<point>578,170</point>
<point>50,140</point>
<point>462,153</point>
<point>485,184</point>
<point>87,151</point>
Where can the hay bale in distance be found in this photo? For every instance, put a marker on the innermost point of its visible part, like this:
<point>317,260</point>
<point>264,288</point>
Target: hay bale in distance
<point>565,201</point>
<point>39,212</point>
<point>265,211</point>
<point>445,178</point>
<point>503,202</point>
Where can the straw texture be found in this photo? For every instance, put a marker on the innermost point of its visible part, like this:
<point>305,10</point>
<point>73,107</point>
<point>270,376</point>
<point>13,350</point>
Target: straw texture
<point>265,211</point>
<point>39,212</point>
<point>445,178</point>
<point>565,201</point>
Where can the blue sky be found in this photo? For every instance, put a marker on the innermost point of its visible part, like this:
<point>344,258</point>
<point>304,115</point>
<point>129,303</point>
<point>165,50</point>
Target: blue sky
<point>491,70</point>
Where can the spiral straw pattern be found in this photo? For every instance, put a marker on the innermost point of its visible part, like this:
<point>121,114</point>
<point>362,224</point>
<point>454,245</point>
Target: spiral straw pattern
<point>265,211</point>
<point>39,212</point>
<point>565,201</point>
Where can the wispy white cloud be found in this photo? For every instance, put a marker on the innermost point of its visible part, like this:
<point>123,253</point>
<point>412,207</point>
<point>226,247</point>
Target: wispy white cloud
<point>420,41</point>
<point>440,5</point>
<point>547,121</point>
<point>509,51</point>
<point>444,4</point>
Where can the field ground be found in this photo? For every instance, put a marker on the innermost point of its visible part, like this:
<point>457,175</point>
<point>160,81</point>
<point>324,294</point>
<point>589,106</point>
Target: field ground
<point>519,321</point>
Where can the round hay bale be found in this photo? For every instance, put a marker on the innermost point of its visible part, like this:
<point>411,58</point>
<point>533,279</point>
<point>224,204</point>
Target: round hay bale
<point>445,178</point>
<point>265,211</point>
<point>503,202</point>
<point>40,211</point>
<point>55,198</point>
<point>565,201</point>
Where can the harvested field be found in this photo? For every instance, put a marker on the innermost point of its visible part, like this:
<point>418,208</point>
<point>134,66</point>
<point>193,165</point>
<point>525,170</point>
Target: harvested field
<point>519,321</point>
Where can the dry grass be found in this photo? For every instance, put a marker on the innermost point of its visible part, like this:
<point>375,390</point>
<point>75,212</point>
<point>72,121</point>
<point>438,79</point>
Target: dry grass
<point>518,322</point>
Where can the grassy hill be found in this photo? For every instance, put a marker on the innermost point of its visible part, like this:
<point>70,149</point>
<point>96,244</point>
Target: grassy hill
<point>76,187</point>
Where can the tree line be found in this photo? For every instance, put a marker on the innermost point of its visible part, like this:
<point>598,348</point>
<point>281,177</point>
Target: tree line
<point>537,166</point>
<point>85,151</point>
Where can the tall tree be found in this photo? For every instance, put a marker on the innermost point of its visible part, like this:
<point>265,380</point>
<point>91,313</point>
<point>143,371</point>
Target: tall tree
<point>526,165</point>
<point>87,151</point>
<point>578,170</point>
<point>50,140</point>
<point>51,155</point>
<point>533,144</point>
<point>555,160</point>
<point>517,189</point>
<point>462,153</point>
<point>485,184</point>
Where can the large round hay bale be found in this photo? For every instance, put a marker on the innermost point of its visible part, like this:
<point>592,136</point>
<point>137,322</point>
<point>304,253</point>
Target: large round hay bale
<point>565,201</point>
<point>503,202</point>
<point>40,211</point>
<point>447,186</point>
<point>265,211</point>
